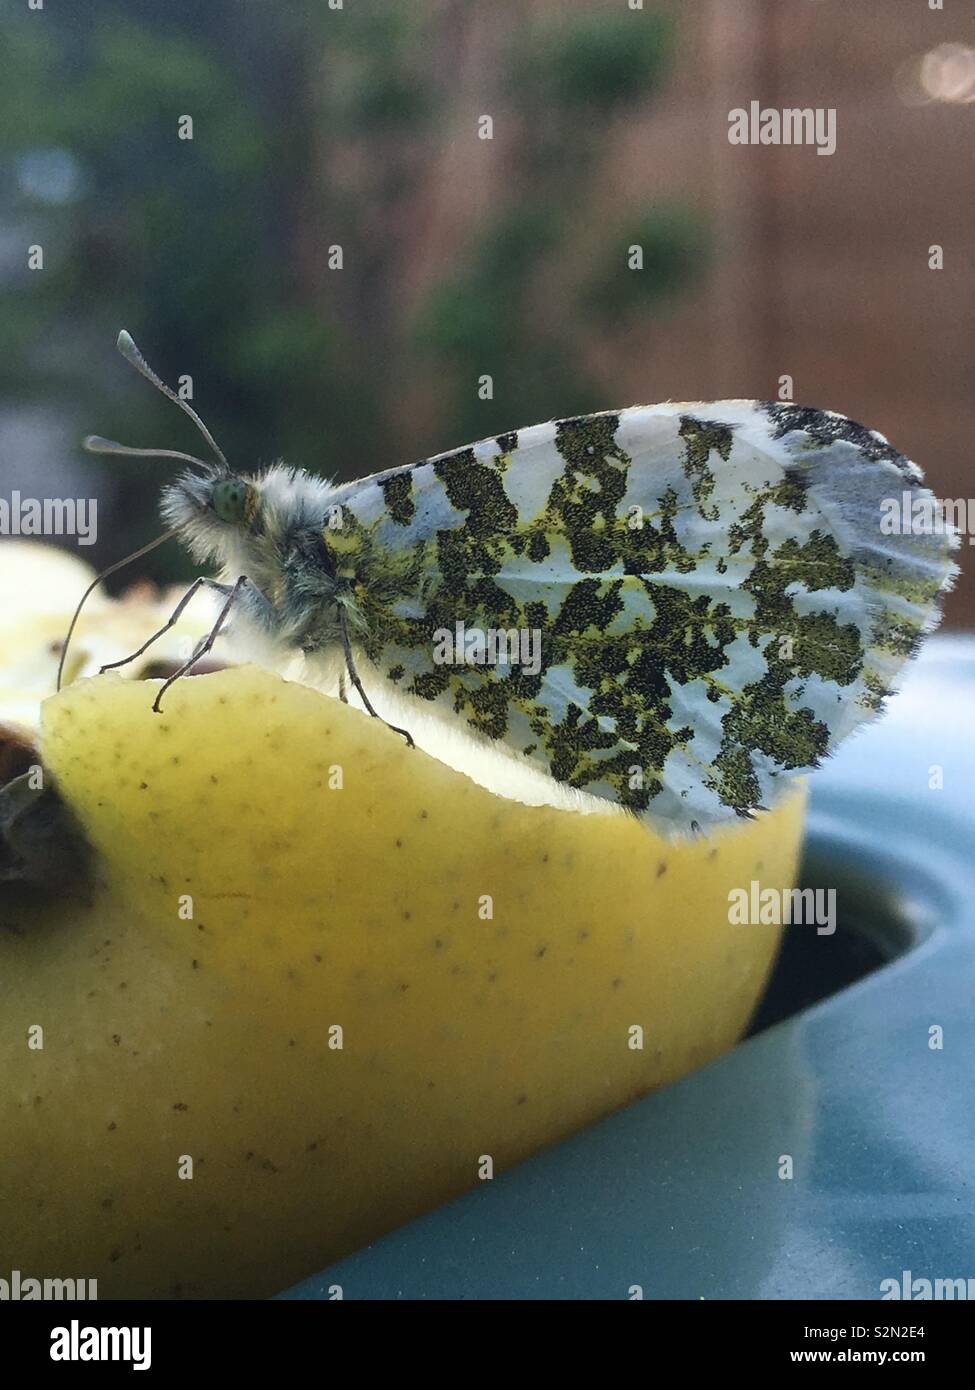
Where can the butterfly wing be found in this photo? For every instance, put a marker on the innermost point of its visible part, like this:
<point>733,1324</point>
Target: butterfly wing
<point>689,602</point>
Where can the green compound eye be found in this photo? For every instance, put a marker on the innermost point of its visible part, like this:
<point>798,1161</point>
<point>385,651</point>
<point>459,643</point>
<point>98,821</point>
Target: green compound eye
<point>235,502</point>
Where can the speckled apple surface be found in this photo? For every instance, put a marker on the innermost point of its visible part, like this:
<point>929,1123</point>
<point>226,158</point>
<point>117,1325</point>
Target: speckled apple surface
<point>323,982</point>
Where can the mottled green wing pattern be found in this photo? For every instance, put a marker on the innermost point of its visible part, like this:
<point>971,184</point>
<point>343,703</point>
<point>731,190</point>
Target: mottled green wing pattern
<point>673,607</point>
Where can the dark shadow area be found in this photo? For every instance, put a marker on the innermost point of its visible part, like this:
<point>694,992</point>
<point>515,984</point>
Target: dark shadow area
<point>874,925</point>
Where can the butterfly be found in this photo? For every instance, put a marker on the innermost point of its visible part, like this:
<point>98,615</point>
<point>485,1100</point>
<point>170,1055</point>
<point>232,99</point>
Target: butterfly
<point>676,608</point>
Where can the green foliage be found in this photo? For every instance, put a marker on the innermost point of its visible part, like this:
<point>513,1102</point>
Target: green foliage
<point>475,316</point>
<point>315,128</point>
<point>598,62</point>
<point>503,311</point>
<point>671,243</point>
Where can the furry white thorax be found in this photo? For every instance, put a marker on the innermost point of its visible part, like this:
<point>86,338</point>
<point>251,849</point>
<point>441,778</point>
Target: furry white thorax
<point>289,501</point>
<point>288,497</point>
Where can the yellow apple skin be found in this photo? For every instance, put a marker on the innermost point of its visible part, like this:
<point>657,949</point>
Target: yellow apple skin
<point>487,963</point>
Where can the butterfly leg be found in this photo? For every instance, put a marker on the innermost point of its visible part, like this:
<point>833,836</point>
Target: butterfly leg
<point>354,678</point>
<point>173,619</point>
<point>205,643</point>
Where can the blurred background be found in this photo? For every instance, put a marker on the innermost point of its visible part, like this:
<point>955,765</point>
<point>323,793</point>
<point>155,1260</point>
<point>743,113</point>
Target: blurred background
<point>337,258</point>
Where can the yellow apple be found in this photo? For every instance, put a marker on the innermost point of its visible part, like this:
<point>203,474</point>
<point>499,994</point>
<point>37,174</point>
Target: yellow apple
<point>321,982</point>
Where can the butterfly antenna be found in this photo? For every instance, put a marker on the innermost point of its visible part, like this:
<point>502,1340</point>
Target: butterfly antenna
<point>95,444</point>
<point>132,355</point>
<point>136,554</point>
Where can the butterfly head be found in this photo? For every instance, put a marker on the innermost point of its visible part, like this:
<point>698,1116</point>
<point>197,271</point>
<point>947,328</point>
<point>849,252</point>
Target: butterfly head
<point>210,506</point>
<point>235,502</point>
<point>197,501</point>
